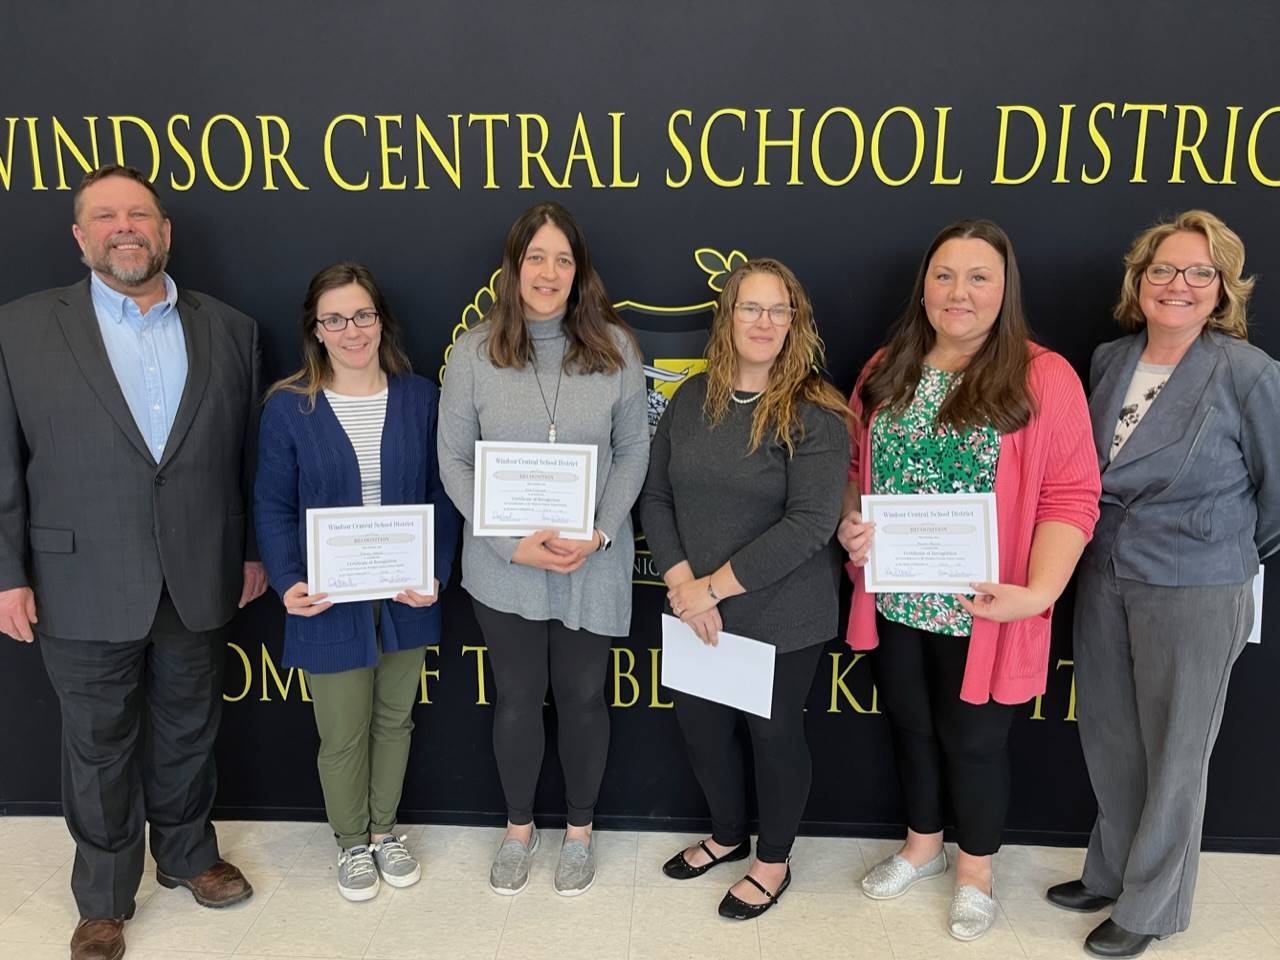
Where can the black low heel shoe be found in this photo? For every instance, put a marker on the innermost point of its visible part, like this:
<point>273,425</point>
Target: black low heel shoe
<point>678,868</point>
<point>1074,895</point>
<point>1109,939</point>
<point>732,908</point>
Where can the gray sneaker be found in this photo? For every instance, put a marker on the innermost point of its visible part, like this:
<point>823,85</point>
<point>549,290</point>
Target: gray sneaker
<point>357,874</point>
<point>577,868</point>
<point>510,871</point>
<point>396,864</point>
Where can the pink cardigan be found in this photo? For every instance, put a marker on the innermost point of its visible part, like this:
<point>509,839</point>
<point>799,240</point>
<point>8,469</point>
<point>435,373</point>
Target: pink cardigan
<point>1048,470</point>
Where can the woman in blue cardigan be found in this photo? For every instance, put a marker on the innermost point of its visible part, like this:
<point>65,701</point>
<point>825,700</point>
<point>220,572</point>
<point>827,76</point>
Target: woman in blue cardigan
<point>354,427</point>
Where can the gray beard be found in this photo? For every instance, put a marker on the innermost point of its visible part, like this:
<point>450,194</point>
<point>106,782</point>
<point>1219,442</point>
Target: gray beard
<point>132,278</point>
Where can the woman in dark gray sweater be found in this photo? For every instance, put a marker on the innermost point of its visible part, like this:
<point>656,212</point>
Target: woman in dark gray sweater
<point>739,508</point>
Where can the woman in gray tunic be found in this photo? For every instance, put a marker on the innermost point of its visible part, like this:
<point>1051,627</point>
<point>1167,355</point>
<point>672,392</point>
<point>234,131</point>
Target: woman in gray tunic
<point>552,361</point>
<point>739,509</point>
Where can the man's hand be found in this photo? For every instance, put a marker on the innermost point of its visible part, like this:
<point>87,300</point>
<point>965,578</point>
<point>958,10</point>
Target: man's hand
<point>18,613</point>
<point>255,582</point>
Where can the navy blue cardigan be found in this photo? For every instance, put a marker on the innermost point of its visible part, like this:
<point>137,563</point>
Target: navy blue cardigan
<point>305,460</point>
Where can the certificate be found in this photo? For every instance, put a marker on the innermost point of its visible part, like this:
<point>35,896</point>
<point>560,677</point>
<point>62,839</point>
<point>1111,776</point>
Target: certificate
<point>525,487</point>
<point>370,553</point>
<point>931,544</point>
<point>737,672</point>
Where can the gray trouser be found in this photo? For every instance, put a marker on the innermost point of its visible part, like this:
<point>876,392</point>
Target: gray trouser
<point>1152,665</point>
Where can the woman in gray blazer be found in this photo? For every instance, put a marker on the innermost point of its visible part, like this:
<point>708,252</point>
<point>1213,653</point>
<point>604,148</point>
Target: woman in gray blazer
<point>1183,414</point>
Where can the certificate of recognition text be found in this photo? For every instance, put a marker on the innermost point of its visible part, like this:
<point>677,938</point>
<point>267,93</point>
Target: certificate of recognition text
<point>370,553</point>
<point>524,487</point>
<point>927,543</point>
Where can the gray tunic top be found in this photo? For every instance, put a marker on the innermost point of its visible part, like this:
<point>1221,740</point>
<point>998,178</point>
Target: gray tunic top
<point>770,514</point>
<point>483,402</point>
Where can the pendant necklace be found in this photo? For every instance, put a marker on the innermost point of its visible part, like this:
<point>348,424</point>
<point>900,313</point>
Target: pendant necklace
<point>555,404</point>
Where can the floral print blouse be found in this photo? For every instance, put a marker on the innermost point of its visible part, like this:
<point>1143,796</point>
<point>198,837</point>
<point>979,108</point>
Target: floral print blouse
<point>912,454</point>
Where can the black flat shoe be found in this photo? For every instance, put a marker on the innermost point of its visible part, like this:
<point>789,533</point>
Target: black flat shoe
<point>1074,895</point>
<point>1109,939</point>
<point>678,868</point>
<point>734,908</point>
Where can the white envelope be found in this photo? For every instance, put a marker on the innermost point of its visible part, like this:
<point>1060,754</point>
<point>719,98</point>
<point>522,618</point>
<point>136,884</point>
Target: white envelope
<point>737,672</point>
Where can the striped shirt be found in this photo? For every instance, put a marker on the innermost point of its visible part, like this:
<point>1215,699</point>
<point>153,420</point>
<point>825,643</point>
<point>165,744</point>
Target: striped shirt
<point>362,419</point>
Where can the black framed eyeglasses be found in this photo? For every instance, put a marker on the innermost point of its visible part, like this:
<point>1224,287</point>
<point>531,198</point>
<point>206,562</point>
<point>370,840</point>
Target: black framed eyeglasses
<point>336,322</point>
<point>1196,275</point>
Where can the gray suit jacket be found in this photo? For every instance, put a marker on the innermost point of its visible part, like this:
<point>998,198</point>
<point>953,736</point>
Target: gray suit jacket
<point>1193,497</point>
<point>88,518</point>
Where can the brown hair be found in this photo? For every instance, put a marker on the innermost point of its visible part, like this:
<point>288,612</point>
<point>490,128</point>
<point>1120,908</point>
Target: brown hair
<point>114,170</point>
<point>994,388</point>
<point>1226,249</point>
<point>589,347</point>
<point>797,375</point>
<point>316,371</point>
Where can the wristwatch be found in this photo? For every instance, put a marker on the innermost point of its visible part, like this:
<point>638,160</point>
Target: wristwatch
<point>607,543</point>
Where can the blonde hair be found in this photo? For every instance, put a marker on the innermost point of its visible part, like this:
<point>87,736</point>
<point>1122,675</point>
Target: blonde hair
<point>1226,250</point>
<point>797,374</point>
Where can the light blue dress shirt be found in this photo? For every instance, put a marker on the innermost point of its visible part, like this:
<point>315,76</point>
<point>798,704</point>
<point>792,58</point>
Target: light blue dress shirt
<point>148,353</point>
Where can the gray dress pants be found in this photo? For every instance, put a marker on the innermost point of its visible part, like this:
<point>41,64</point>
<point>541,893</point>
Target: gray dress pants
<point>1152,665</point>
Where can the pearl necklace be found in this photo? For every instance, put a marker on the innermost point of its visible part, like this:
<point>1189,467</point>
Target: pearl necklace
<point>745,400</point>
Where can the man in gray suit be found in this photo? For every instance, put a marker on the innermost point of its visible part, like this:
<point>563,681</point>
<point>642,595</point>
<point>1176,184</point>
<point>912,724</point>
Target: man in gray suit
<point>128,417</point>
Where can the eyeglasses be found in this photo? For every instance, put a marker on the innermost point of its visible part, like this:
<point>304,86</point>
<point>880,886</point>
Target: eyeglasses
<point>336,322</point>
<point>779,314</point>
<point>1196,275</point>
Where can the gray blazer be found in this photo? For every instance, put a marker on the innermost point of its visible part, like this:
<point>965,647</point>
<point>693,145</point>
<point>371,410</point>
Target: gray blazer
<point>1193,497</point>
<point>88,518</point>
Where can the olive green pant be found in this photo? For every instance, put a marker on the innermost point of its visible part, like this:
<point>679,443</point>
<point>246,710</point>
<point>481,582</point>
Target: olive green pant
<point>365,721</point>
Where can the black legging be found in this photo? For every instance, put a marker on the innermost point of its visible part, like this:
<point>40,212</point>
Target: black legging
<point>520,651</point>
<point>783,767</point>
<point>918,674</point>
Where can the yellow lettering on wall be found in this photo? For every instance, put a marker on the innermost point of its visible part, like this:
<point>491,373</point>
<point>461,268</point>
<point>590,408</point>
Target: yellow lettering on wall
<point>489,119</point>
<point>1064,137</point>
<point>527,153</point>
<point>859,140</point>
<point>707,168</point>
<point>1180,145</point>
<point>1104,149</point>
<point>1144,111</point>
<point>939,178</point>
<point>37,176</point>
<point>1006,111</point>
<point>1229,151</point>
<point>628,674</point>
<point>248,674</point>
<point>655,680</point>
<point>1252,153</point>
<point>481,699</point>
<point>117,130</point>
<point>792,141</point>
<point>183,153</point>
<point>272,156</point>
<point>282,686</point>
<point>687,116</point>
<point>917,125</point>
<point>617,181</point>
<point>423,695</point>
<point>386,151</point>
<point>452,170</point>
<point>839,688</point>
<point>6,165</point>
<point>206,155</point>
<point>580,151</point>
<point>328,151</point>
<point>61,139</point>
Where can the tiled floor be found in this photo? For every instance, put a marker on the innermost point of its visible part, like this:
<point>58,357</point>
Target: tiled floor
<point>632,912</point>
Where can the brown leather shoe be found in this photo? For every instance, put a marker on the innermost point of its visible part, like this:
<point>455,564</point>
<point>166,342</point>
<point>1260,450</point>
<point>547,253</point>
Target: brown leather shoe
<point>98,940</point>
<point>220,886</point>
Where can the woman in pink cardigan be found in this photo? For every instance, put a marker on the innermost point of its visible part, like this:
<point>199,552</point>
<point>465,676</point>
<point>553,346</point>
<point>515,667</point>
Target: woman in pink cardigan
<point>960,401</point>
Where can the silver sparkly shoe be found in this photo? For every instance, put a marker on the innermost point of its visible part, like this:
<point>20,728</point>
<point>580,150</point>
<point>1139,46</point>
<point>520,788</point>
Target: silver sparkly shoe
<point>972,913</point>
<point>510,871</point>
<point>894,876</point>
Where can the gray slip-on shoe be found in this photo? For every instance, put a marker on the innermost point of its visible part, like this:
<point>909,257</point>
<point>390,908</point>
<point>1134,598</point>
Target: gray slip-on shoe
<point>576,870</point>
<point>357,874</point>
<point>893,876</point>
<point>510,871</point>
<point>397,865</point>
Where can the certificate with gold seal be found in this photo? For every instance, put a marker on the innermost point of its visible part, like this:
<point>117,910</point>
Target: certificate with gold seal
<point>927,543</point>
<point>370,553</point>
<point>521,488</point>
